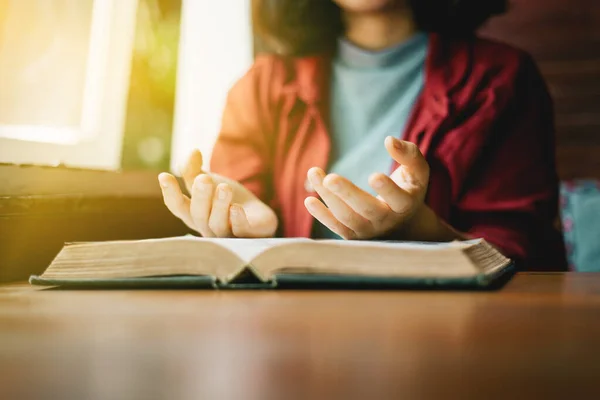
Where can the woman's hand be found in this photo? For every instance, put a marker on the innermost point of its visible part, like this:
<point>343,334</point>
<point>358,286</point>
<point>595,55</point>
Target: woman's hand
<point>399,207</point>
<point>219,207</point>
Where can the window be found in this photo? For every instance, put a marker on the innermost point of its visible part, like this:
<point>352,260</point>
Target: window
<point>111,84</point>
<point>215,50</point>
<point>64,73</point>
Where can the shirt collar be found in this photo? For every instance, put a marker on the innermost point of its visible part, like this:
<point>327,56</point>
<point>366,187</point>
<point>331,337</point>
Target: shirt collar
<point>353,56</point>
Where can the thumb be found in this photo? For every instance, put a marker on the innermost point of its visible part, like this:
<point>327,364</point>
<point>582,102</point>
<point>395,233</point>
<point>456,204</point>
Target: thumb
<point>409,156</point>
<point>192,168</point>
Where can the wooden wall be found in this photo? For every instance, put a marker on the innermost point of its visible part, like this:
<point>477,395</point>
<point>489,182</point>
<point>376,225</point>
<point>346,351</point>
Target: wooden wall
<point>42,208</point>
<point>564,38</point>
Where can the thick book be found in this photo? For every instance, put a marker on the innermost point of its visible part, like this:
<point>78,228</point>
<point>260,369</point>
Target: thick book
<point>191,262</point>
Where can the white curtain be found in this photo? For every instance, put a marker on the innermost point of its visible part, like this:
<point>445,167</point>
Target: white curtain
<point>215,50</point>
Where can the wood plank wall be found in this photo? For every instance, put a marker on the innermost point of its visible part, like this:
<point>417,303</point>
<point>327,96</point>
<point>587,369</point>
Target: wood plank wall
<point>564,38</point>
<point>41,208</point>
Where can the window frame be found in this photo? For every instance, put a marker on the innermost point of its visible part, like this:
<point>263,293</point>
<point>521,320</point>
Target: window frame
<point>96,143</point>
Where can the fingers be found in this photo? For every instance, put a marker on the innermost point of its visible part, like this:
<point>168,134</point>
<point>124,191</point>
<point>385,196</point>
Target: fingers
<point>176,202</point>
<point>218,221</point>
<point>192,169</point>
<point>253,220</point>
<point>399,200</point>
<point>326,217</point>
<point>240,227</point>
<point>240,224</point>
<point>201,204</point>
<point>340,210</point>
<point>408,155</point>
<point>363,203</point>
<point>209,211</point>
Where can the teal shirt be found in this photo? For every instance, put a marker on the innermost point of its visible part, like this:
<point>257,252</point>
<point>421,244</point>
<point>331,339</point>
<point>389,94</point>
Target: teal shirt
<point>372,96</point>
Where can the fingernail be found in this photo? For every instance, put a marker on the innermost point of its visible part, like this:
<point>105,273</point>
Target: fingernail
<point>308,203</point>
<point>202,182</point>
<point>162,181</point>
<point>222,195</point>
<point>378,183</point>
<point>333,184</point>
<point>234,211</point>
<point>314,177</point>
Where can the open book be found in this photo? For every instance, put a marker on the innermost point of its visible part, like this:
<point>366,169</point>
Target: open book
<point>197,262</point>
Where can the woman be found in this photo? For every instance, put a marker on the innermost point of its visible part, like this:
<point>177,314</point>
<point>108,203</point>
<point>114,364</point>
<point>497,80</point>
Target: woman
<point>364,87</point>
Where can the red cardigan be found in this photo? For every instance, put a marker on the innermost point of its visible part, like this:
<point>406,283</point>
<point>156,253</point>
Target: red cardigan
<point>484,121</point>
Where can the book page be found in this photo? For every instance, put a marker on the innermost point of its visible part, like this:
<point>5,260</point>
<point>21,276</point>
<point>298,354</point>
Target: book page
<point>143,258</point>
<point>249,249</point>
<point>377,259</point>
<point>391,244</point>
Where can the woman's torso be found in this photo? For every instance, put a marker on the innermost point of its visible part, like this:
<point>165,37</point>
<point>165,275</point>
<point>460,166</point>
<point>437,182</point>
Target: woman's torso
<point>282,108</point>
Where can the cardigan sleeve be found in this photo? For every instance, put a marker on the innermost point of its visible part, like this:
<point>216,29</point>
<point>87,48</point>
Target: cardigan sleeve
<point>243,150</point>
<point>510,195</point>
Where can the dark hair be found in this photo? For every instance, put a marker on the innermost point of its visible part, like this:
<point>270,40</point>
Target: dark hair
<point>300,27</point>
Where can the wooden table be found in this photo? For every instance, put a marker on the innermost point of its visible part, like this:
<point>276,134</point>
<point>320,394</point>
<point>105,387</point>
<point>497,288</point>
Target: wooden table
<point>538,337</point>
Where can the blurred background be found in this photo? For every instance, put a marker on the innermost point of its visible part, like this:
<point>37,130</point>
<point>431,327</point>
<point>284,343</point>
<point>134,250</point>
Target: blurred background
<point>151,100</point>
<point>94,83</point>
<point>113,91</point>
<point>67,67</point>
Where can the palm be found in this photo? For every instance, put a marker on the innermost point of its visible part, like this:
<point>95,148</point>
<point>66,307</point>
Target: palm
<point>353,213</point>
<point>218,206</point>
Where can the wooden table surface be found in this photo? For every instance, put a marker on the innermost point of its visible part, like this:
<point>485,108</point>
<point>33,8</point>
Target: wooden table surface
<point>538,337</point>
